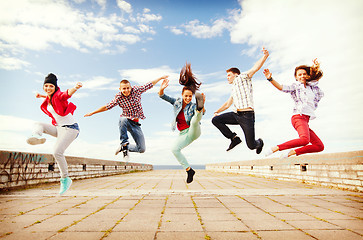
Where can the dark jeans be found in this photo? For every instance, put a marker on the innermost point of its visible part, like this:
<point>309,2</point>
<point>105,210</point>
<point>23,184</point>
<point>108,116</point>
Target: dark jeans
<point>245,119</point>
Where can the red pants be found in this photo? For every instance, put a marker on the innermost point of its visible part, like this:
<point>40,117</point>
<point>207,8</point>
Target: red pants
<point>306,136</point>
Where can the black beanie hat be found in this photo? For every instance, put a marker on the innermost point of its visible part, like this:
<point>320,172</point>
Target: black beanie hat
<point>51,78</point>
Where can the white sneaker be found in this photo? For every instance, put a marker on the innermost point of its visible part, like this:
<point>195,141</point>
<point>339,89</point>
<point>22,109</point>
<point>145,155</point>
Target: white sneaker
<point>284,155</point>
<point>268,152</point>
<point>35,140</point>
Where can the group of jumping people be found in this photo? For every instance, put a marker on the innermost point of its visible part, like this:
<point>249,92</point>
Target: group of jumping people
<point>187,114</point>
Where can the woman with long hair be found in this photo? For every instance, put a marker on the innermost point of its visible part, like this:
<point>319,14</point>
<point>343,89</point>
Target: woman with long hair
<point>306,95</point>
<point>64,127</point>
<point>187,115</point>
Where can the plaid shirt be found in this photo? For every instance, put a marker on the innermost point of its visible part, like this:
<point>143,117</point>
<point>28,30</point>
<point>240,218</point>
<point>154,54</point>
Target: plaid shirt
<point>131,105</point>
<point>242,92</point>
<point>299,95</point>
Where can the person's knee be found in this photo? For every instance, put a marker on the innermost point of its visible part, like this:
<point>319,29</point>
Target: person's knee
<point>304,140</point>
<point>175,151</point>
<point>320,146</point>
<point>215,121</point>
<point>142,149</point>
<point>57,154</point>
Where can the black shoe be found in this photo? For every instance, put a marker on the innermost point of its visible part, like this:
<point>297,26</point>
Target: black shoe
<point>259,149</point>
<point>125,150</point>
<point>191,173</point>
<point>200,101</point>
<point>234,142</point>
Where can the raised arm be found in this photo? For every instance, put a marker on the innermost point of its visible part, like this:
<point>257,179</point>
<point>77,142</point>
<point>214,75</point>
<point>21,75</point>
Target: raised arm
<point>71,91</point>
<point>258,64</point>
<point>164,85</point>
<point>160,78</point>
<point>225,106</point>
<point>268,75</point>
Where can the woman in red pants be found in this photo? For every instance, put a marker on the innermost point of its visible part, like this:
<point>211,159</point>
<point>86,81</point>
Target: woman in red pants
<point>306,95</point>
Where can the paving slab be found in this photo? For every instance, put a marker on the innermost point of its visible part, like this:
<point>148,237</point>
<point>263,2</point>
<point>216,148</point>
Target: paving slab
<point>159,205</point>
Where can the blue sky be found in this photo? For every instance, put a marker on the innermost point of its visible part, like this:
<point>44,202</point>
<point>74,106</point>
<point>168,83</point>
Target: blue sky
<point>100,42</point>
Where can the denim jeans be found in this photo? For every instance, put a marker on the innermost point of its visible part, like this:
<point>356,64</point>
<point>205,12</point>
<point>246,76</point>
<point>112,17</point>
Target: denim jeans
<point>134,128</point>
<point>245,119</point>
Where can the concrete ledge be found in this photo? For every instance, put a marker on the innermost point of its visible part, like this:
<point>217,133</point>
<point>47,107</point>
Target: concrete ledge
<point>342,170</point>
<point>21,169</point>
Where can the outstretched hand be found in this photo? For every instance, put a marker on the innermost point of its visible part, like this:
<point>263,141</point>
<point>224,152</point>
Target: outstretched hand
<point>315,61</point>
<point>267,73</point>
<point>164,84</point>
<point>38,95</point>
<point>78,85</point>
<point>265,52</point>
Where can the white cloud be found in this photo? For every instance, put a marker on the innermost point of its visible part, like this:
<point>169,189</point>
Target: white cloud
<point>11,63</point>
<point>201,30</point>
<point>41,25</point>
<point>102,3</point>
<point>148,17</point>
<point>98,83</point>
<point>124,6</point>
<point>175,30</point>
<point>142,76</point>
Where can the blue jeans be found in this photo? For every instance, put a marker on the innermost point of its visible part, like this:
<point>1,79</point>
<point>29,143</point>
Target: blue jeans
<point>134,128</point>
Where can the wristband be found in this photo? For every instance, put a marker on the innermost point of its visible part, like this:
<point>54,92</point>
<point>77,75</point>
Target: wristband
<point>270,79</point>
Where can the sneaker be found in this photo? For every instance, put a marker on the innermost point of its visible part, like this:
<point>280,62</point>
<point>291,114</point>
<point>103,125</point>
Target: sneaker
<point>234,142</point>
<point>268,152</point>
<point>125,151</point>
<point>35,140</point>
<point>200,101</point>
<point>284,155</point>
<point>259,149</point>
<point>65,185</point>
<point>119,149</point>
<point>191,173</point>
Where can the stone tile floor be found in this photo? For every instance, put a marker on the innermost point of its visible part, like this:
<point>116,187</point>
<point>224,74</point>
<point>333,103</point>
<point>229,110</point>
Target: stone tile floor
<point>160,205</point>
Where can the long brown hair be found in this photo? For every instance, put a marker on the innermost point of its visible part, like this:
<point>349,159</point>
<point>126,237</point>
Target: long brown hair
<point>188,79</point>
<point>314,72</point>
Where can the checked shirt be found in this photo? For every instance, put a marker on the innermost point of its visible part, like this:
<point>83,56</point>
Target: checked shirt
<point>131,105</point>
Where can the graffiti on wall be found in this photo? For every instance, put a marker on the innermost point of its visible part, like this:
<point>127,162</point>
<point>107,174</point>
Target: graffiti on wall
<point>20,167</point>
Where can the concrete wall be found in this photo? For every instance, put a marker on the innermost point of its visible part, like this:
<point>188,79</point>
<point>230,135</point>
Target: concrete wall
<point>342,170</point>
<point>20,169</point>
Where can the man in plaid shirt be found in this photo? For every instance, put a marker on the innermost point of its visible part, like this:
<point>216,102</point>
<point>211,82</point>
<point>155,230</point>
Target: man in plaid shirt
<point>129,99</point>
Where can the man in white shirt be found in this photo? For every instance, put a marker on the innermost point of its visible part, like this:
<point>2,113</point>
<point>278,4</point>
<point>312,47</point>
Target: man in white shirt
<point>242,99</point>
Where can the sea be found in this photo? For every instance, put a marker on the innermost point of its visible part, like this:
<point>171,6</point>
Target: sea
<point>166,167</point>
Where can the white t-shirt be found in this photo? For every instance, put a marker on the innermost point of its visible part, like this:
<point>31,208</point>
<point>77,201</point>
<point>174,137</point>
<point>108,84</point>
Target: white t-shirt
<point>61,121</point>
<point>308,108</point>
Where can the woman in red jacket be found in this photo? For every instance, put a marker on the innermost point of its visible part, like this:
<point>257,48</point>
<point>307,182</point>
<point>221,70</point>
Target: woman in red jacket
<point>64,127</point>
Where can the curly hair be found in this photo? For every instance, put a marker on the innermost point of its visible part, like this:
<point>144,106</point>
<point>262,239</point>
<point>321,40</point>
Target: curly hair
<point>188,79</point>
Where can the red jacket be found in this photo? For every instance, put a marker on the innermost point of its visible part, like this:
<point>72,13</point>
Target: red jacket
<point>60,104</point>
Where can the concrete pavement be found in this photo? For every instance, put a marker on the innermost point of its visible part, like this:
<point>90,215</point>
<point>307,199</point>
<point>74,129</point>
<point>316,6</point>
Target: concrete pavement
<point>160,205</point>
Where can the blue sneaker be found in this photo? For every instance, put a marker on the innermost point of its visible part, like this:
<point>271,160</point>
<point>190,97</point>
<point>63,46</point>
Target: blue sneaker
<point>65,185</point>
